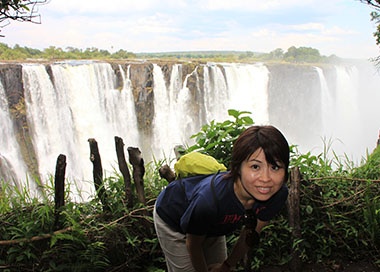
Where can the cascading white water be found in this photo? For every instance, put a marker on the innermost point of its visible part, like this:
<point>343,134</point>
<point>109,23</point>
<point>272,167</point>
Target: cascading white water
<point>347,110</point>
<point>349,129</point>
<point>10,155</point>
<point>120,111</point>
<point>173,122</point>
<point>248,89</point>
<point>190,121</point>
<point>327,106</point>
<point>163,120</point>
<point>46,113</point>
<point>346,126</point>
<point>216,93</point>
<point>82,104</point>
<point>244,87</point>
<point>79,101</point>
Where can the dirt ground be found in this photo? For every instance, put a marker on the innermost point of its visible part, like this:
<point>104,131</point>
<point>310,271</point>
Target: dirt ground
<point>333,267</point>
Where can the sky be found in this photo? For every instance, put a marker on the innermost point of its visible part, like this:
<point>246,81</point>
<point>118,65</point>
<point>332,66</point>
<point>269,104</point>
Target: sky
<point>340,27</point>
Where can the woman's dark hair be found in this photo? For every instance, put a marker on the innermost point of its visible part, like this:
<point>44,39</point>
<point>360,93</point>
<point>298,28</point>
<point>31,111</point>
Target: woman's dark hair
<point>269,138</point>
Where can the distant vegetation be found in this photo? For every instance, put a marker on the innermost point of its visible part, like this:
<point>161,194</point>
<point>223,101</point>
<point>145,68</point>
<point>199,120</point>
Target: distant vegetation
<point>56,53</point>
<point>293,55</point>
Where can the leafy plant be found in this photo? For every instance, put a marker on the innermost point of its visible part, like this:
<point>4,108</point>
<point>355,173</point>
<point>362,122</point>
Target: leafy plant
<point>217,138</point>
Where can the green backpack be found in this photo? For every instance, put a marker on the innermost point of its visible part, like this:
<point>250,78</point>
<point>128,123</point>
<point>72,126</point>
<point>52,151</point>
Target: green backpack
<point>196,163</point>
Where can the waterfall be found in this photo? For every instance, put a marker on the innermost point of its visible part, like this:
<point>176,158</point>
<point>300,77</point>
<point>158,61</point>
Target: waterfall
<point>174,122</point>
<point>248,89</point>
<point>345,122</point>
<point>164,121</point>
<point>12,167</point>
<point>244,87</point>
<point>120,110</point>
<point>190,121</point>
<point>46,111</point>
<point>347,98</point>
<point>216,93</point>
<point>67,103</point>
<point>348,120</point>
<point>226,86</point>
<point>327,106</point>
<point>82,103</point>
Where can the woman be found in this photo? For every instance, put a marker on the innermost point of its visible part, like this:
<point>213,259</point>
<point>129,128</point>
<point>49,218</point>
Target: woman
<point>191,219</point>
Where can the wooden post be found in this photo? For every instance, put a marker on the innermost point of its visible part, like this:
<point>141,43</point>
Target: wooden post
<point>123,167</point>
<point>167,173</point>
<point>59,188</point>
<point>293,205</point>
<point>98,173</point>
<point>137,162</point>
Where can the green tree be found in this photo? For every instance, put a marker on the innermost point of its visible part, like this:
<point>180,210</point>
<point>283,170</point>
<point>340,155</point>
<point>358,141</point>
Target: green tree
<point>217,138</point>
<point>28,52</point>
<point>277,54</point>
<point>302,54</point>
<point>20,10</point>
<point>122,54</point>
<point>54,53</point>
<point>375,17</point>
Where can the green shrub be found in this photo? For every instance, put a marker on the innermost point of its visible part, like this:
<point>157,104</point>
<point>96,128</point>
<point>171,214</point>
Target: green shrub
<point>217,138</point>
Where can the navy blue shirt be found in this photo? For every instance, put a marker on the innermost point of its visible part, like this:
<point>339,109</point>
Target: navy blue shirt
<point>207,206</point>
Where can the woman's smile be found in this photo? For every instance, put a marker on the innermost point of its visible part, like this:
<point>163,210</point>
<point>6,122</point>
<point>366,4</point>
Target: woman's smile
<point>263,190</point>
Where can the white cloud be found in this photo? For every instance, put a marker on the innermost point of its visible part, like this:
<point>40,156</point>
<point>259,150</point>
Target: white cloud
<point>158,23</point>
<point>110,7</point>
<point>251,5</point>
<point>98,6</point>
<point>307,27</point>
<point>263,33</point>
<point>338,31</point>
<point>171,25</point>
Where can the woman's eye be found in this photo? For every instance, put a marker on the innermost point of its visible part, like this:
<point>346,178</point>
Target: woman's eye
<point>255,166</point>
<point>275,167</point>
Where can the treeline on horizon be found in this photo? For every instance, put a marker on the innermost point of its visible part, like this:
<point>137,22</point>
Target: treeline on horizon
<point>293,55</point>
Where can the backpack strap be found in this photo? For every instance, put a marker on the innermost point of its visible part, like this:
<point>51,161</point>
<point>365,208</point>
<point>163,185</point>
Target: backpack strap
<point>213,191</point>
<point>201,177</point>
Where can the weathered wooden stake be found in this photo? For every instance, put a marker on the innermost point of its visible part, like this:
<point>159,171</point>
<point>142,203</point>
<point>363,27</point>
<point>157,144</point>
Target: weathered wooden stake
<point>167,173</point>
<point>98,173</point>
<point>123,167</point>
<point>293,205</point>
<point>59,188</point>
<point>137,162</point>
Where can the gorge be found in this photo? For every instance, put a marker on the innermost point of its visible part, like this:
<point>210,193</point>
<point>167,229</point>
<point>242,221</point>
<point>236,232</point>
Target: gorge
<point>47,109</point>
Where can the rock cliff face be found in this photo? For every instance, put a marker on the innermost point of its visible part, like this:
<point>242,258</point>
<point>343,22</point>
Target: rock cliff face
<point>11,79</point>
<point>141,75</point>
<point>283,99</point>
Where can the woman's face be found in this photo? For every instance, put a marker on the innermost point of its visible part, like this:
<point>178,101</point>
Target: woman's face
<point>260,178</point>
